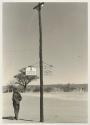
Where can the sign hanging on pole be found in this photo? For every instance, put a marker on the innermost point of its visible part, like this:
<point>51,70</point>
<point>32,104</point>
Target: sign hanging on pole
<point>30,71</point>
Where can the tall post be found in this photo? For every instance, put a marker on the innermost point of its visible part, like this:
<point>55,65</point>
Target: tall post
<point>38,7</point>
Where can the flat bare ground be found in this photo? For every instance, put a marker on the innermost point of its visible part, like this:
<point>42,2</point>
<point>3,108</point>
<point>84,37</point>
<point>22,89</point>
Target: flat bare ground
<point>59,107</point>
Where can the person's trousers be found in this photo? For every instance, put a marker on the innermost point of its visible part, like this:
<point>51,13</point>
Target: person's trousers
<point>16,109</point>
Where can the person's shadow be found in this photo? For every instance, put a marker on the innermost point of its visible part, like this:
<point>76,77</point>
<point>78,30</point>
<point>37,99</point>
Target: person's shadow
<point>13,118</point>
<point>9,117</point>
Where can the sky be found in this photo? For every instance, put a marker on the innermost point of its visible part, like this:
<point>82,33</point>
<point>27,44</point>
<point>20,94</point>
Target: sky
<point>65,40</point>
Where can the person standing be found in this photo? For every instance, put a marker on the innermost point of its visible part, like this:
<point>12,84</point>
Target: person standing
<point>16,98</point>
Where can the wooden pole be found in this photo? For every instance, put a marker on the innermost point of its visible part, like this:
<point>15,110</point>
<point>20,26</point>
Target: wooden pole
<point>38,7</point>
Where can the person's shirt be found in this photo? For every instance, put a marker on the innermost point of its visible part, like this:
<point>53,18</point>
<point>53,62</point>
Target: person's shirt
<point>16,97</point>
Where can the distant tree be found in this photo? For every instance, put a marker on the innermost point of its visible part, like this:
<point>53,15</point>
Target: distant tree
<point>23,79</point>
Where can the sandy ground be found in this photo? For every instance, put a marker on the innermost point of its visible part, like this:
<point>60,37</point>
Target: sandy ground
<point>60,107</point>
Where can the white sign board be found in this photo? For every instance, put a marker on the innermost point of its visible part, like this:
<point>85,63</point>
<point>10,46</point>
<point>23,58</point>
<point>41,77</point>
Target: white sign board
<point>30,71</point>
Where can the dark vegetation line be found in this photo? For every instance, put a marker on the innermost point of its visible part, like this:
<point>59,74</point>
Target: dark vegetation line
<point>49,88</point>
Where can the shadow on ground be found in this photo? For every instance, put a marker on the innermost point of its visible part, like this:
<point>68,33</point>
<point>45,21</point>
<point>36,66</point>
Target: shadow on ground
<point>9,117</point>
<point>13,118</point>
<point>28,120</point>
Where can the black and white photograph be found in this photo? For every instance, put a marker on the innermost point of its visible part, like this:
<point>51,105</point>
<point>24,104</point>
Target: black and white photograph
<point>45,62</point>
